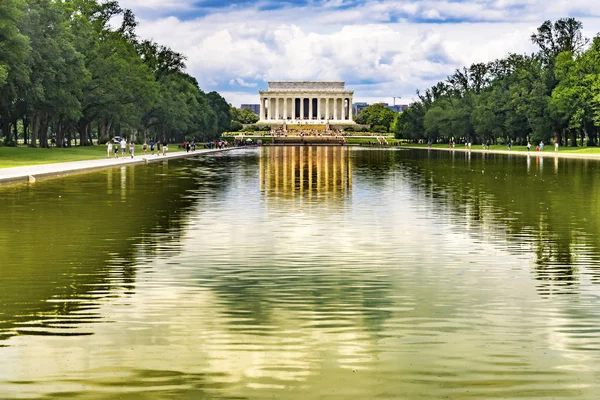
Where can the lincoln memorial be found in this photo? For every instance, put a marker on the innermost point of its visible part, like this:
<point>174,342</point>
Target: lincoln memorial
<point>306,103</point>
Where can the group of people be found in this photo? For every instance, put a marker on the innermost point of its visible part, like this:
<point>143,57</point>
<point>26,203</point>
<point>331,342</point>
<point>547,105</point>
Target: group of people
<point>307,132</point>
<point>119,144</point>
<point>112,149</point>
<point>165,147</point>
<point>540,147</point>
<point>219,144</point>
<point>187,146</point>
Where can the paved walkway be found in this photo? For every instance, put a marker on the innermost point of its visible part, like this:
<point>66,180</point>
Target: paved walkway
<point>33,172</point>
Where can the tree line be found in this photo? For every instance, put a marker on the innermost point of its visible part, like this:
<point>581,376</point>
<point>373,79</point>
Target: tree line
<point>68,71</point>
<point>552,94</point>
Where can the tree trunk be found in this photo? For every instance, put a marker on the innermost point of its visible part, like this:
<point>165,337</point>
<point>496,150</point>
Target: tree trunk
<point>573,138</point>
<point>16,132</point>
<point>104,130</point>
<point>83,132</point>
<point>6,130</point>
<point>45,120</point>
<point>25,130</point>
<point>35,128</point>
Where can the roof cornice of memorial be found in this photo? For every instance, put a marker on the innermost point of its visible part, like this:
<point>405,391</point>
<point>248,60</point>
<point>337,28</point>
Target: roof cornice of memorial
<point>277,92</point>
<point>338,86</point>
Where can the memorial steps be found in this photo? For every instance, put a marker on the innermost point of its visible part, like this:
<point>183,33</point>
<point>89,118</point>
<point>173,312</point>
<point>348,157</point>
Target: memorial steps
<point>309,140</point>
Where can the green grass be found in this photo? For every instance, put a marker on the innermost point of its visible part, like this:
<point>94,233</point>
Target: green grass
<point>24,156</point>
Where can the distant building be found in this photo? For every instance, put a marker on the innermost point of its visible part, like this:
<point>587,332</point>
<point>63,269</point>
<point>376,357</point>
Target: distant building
<point>398,107</point>
<point>255,108</point>
<point>358,107</point>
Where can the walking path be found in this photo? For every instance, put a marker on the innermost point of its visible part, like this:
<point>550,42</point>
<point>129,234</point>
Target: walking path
<point>33,172</point>
<point>564,154</point>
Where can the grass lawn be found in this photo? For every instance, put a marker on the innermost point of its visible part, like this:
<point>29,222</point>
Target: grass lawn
<point>23,156</point>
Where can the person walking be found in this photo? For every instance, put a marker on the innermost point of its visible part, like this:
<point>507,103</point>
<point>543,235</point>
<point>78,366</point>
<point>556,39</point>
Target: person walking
<point>145,147</point>
<point>131,148</point>
<point>528,146</point>
<point>541,146</point>
<point>157,148</point>
<point>123,147</point>
<point>152,147</point>
<point>108,149</point>
<point>556,146</point>
<point>165,148</point>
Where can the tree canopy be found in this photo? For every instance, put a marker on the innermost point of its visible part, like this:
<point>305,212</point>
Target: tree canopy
<point>553,94</point>
<point>68,71</point>
<point>376,115</point>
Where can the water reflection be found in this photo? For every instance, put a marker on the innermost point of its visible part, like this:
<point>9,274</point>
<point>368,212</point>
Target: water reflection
<point>242,275</point>
<point>287,171</point>
<point>77,240</point>
<point>527,211</point>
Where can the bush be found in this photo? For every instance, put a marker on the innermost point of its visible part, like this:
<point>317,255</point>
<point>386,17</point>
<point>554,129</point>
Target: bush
<point>379,129</point>
<point>349,129</point>
<point>363,130</point>
<point>251,128</point>
<point>236,126</point>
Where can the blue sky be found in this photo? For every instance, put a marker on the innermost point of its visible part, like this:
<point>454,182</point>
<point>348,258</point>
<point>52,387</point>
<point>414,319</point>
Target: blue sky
<point>380,48</point>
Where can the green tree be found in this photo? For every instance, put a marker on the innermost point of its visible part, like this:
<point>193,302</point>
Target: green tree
<point>376,114</point>
<point>14,69</point>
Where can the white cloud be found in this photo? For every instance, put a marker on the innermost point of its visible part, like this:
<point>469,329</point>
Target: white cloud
<point>376,57</point>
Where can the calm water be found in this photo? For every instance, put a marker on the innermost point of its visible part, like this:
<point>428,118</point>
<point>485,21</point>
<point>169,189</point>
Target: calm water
<point>305,273</point>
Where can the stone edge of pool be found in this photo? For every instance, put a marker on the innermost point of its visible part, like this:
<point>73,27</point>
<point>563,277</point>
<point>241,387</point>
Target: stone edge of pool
<point>33,172</point>
<point>558,154</point>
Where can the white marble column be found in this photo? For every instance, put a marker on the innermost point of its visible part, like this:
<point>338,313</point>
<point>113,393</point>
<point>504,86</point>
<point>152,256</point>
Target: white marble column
<point>318,109</point>
<point>310,108</point>
<point>262,108</point>
<point>285,103</point>
<point>335,109</point>
<point>350,109</point>
<point>269,108</point>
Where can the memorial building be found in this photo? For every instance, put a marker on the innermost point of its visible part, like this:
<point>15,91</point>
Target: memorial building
<point>306,103</point>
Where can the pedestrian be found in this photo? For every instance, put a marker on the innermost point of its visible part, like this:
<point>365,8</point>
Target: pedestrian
<point>108,149</point>
<point>123,147</point>
<point>145,147</point>
<point>528,146</point>
<point>165,148</point>
<point>157,148</point>
<point>152,147</point>
<point>131,148</point>
<point>116,147</point>
<point>541,146</point>
<point>556,146</point>
<point>188,147</point>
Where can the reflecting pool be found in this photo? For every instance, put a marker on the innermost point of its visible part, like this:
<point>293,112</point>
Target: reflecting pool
<point>305,272</point>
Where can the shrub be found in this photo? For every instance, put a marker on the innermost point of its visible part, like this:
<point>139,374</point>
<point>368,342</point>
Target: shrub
<point>379,129</point>
<point>250,128</point>
<point>236,126</point>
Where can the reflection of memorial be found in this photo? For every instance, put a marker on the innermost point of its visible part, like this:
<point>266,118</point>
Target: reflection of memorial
<point>307,170</point>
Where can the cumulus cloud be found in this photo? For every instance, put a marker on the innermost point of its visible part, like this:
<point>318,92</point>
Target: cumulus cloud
<point>380,48</point>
